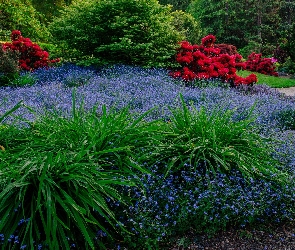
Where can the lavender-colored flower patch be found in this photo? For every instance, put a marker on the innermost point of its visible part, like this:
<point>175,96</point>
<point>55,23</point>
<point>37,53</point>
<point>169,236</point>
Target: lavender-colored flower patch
<point>140,89</point>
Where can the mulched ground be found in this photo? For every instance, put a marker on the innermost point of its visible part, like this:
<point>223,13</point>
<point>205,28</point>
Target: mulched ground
<point>280,237</point>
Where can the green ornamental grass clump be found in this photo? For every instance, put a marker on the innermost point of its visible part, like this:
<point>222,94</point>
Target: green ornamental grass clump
<point>217,142</point>
<point>57,173</point>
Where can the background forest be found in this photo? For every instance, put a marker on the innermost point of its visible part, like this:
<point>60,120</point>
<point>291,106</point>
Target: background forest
<point>251,25</point>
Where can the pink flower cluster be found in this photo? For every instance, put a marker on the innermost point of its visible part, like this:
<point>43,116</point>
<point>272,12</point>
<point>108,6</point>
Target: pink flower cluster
<point>31,55</point>
<point>264,66</point>
<point>205,61</point>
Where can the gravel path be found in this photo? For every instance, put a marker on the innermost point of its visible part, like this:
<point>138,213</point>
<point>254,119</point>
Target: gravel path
<point>280,237</point>
<point>287,91</point>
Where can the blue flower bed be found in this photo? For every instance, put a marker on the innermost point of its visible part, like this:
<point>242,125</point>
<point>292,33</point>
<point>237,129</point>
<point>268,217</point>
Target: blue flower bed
<point>191,198</point>
<point>141,89</point>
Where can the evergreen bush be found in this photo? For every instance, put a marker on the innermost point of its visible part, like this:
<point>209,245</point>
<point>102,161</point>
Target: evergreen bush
<point>21,15</point>
<point>188,26</point>
<point>118,31</point>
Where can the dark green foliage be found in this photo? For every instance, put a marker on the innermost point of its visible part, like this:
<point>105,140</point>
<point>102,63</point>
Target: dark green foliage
<point>49,8</point>
<point>280,52</point>
<point>286,119</point>
<point>188,26</point>
<point>240,22</point>
<point>288,67</point>
<point>287,14</point>
<point>8,61</point>
<point>290,46</point>
<point>118,31</point>
<point>9,69</point>
<point>177,4</point>
<point>219,19</point>
<point>286,52</point>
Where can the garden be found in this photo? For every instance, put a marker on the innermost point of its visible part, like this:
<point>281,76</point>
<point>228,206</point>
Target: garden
<point>135,140</point>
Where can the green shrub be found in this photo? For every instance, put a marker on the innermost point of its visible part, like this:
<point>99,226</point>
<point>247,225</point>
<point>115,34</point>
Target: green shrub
<point>49,8</point>
<point>21,15</point>
<point>53,50</point>
<point>188,26</point>
<point>286,119</point>
<point>57,173</point>
<point>26,79</point>
<point>118,31</point>
<point>247,50</point>
<point>216,142</point>
<point>288,66</point>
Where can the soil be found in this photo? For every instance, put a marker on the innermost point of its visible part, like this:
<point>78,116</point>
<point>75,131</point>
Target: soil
<point>280,237</point>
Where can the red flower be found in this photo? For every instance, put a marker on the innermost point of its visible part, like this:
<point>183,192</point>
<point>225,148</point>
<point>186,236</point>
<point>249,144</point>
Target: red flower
<point>223,72</point>
<point>218,65</point>
<point>202,75</point>
<point>238,57</point>
<point>45,54</point>
<point>15,35</point>
<point>256,63</point>
<point>199,54</point>
<point>176,74</point>
<point>31,55</point>
<point>186,45</point>
<point>205,61</point>
<point>208,41</point>
<point>232,71</point>
<point>240,65</point>
<point>214,74</point>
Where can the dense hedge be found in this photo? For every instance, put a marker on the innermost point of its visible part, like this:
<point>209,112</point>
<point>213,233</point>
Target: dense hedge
<point>127,31</point>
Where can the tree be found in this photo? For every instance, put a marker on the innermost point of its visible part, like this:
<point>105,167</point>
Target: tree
<point>287,15</point>
<point>50,8</point>
<point>253,23</point>
<point>219,17</point>
<point>177,4</point>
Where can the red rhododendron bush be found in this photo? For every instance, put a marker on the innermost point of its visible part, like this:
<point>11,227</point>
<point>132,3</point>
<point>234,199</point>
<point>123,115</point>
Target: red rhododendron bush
<point>264,66</point>
<point>206,61</point>
<point>31,55</point>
